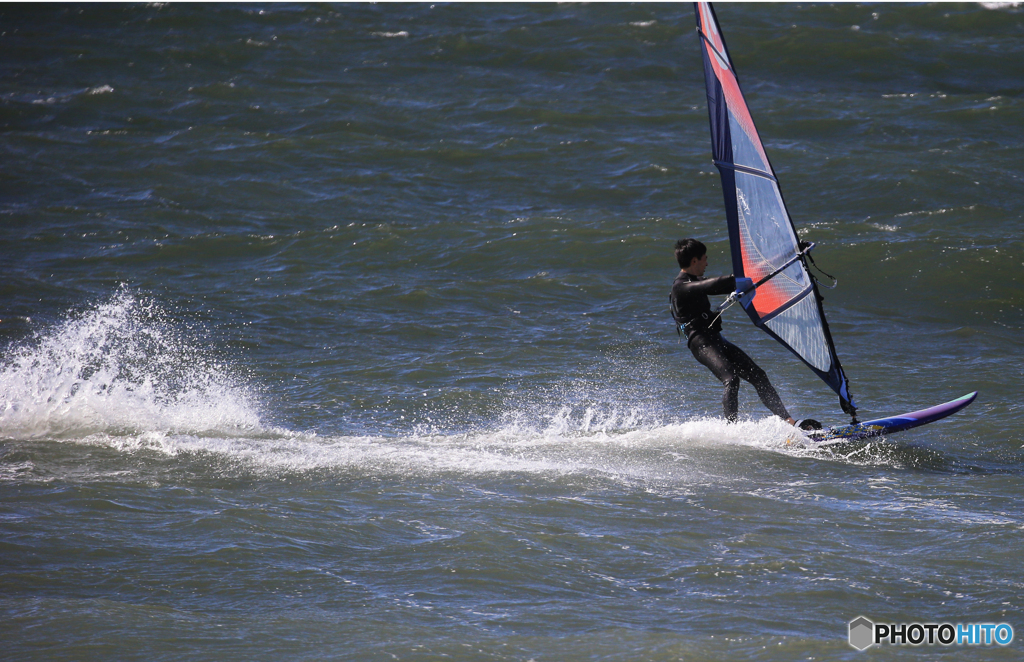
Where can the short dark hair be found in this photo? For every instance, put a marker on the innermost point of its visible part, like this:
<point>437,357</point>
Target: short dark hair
<point>687,250</point>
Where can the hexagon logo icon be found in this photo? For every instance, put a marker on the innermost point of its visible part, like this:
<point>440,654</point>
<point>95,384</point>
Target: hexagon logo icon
<point>862,633</point>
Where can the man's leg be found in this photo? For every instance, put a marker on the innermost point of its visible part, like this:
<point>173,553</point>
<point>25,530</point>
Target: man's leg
<point>711,355</point>
<point>745,368</point>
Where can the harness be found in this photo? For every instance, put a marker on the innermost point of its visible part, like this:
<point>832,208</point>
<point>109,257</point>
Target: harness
<point>687,326</point>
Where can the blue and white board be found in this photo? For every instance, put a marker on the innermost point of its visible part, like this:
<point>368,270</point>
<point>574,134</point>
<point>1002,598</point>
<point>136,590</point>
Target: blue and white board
<point>883,426</point>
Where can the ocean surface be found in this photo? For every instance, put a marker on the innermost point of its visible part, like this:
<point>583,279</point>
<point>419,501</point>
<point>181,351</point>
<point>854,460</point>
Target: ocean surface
<point>340,332</point>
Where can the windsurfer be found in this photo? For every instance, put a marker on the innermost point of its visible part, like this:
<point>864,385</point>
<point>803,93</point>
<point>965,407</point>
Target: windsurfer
<point>691,310</point>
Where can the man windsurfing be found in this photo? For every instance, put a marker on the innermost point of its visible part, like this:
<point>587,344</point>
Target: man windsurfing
<point>692,312</point>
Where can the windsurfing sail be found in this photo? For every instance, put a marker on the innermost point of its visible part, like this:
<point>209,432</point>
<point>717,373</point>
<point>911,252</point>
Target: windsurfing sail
<point>761,235</point>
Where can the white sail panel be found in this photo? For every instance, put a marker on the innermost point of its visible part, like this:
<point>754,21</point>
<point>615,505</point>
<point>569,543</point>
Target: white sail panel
<point>800,328</point>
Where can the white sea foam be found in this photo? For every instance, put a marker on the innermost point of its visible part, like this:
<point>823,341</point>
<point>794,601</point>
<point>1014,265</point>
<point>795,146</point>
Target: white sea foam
<point>688,453</point>
<point>119,368</point>
<point>123,376</point>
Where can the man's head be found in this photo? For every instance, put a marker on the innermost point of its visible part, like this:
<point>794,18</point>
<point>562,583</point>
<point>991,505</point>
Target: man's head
<point>688,250</point>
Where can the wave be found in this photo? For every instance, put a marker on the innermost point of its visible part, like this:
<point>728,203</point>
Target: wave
<point>120,368</point>
<point>124,375</point>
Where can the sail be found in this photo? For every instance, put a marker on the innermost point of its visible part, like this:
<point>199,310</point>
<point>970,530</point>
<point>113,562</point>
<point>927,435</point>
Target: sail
<point>761,234</point>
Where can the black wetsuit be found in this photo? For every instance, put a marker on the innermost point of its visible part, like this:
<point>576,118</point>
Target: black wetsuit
<point>703,328</point>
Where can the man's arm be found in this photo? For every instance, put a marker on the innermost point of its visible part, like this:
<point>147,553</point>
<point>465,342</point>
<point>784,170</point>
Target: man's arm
<point>708,286</point>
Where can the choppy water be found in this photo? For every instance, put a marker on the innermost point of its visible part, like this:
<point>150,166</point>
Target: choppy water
<point>340,332</point>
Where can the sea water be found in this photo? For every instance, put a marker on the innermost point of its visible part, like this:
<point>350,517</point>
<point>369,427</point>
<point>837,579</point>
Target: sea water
<point>341,332</point>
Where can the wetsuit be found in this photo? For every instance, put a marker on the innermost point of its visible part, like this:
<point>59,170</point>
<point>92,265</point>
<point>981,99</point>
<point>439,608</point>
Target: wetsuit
<point>703,328</point>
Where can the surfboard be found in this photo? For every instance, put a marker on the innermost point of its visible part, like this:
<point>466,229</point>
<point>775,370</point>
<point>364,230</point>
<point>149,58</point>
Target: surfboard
<point>884,426</point>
